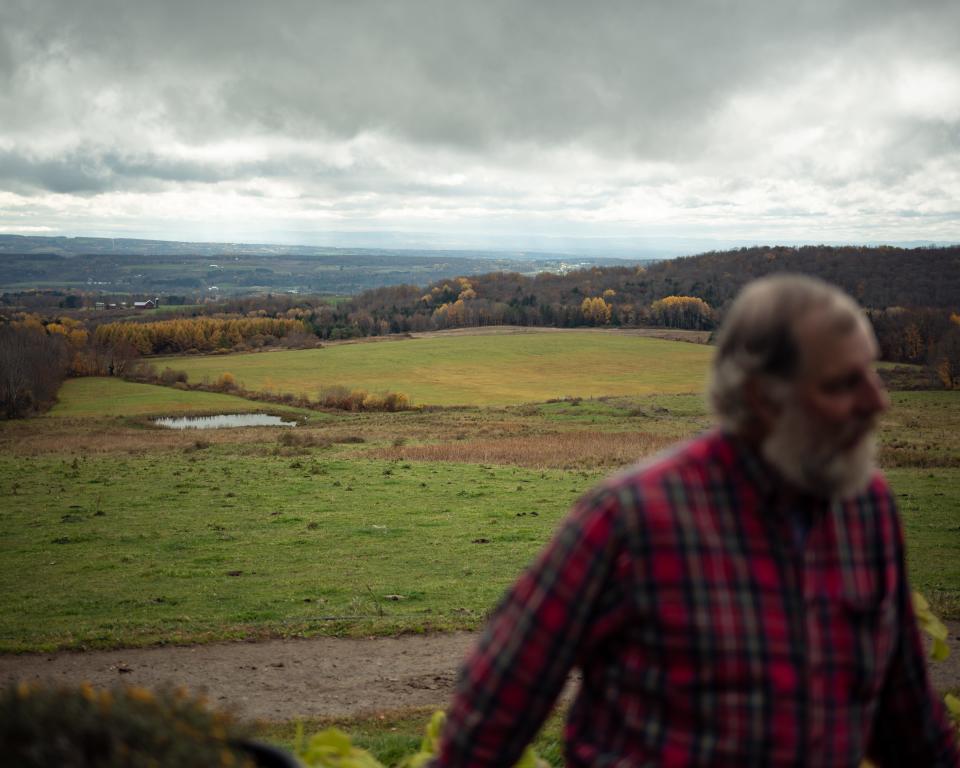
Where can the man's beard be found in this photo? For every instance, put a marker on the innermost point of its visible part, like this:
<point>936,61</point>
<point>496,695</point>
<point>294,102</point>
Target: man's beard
<point>822,464</point>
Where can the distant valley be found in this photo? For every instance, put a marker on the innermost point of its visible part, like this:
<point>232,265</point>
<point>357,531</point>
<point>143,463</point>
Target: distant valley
<point>127,266</point>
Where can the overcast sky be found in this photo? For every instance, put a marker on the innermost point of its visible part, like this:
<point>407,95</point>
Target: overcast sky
<point>467,123</point>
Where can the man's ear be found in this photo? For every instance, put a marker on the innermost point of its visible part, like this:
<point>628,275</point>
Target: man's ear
<point>764,409</point>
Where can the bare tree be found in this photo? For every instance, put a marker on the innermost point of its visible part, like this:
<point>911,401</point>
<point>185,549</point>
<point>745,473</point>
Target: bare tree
<point>32,366</point>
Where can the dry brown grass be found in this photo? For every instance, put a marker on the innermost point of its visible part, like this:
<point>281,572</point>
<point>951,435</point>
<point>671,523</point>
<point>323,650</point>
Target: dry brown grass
<point>123,435</point>
<point>562,450</point>
<point>104,437</point>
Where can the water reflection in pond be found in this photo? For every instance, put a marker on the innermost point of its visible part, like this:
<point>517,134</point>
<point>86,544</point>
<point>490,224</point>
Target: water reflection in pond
<point>224,420</point>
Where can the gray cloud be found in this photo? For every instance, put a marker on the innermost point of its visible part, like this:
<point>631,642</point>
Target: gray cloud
<point>640,75</point>
<point>551,109</point>
<point>89,171</point>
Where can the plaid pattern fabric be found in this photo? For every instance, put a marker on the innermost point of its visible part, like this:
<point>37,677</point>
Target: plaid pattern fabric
<point>707,631</point>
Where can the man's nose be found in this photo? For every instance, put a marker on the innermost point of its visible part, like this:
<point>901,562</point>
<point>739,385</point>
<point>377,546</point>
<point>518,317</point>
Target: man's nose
<point>874,397</point>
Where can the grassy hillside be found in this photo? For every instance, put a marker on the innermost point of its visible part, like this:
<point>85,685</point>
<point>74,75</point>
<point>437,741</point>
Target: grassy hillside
<point>353,522</point>
<point>166,546</point>
<point>473,370</point>
<point>98,396</point>
<point>367,522</point>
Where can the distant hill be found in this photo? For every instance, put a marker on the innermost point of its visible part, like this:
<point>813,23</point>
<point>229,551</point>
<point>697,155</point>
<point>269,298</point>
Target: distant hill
<point>92,246</point>
<point>159,267</point>
<point>878,278</point>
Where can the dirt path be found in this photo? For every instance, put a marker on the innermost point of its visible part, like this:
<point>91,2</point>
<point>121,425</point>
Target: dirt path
<point>273,679</point>
<point>285,679</point>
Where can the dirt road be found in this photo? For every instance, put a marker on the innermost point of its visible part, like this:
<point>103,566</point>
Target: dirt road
<point>285,679</point>
<point>273,679</point>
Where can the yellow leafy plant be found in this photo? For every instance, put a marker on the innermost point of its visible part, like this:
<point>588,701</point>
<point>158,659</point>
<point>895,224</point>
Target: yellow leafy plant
<point>332,748</point>
<point>431,745</point>
<point>939,651</point>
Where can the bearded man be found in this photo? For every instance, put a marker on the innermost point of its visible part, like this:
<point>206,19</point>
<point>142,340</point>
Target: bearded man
<point>739,601</point>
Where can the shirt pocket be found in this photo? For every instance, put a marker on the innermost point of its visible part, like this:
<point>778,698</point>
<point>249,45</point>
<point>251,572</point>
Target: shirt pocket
<point>873,633</point>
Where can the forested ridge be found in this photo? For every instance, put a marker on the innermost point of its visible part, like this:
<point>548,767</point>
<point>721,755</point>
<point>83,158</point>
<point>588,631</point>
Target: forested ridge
<point>879,278</point>
<point>912,297</point>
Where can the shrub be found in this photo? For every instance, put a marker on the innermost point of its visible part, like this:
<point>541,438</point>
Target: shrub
<point>42,726</point>
<point>332,397</point>
<point>355,400</point>
<point>373,403</point>
<point>939,649</point>
<point>332,747</point>
<point>142,372</point>
<point>396,401</point>
<point>344,399</point>
<point>226,382</point>
<point>170,376</point>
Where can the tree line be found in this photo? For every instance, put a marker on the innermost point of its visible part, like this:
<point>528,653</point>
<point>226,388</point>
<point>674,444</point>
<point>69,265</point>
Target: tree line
<point>37,354</point>
<point>201,334</point>
<point>912,297</point>
<point>33,364</point>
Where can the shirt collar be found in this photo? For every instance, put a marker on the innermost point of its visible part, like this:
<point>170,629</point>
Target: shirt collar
<point>767,480</point>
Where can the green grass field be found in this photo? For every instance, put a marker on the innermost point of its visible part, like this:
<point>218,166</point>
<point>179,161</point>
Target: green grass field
<point>472,370</point>
<point>211,544</point>
<point>181,537</point>
<point>98,396</point>
<point>116,533</point>
<point>134,535</point>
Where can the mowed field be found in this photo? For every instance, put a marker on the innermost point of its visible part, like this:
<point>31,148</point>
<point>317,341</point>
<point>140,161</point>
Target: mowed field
<point>96,396</point>
<point>118,533</point>
<point>472,370</point>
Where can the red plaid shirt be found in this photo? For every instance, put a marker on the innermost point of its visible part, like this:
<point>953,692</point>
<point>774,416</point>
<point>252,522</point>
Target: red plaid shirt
<point>710,628</point>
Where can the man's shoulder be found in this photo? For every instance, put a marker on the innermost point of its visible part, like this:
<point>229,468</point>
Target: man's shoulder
<point>877,496</point>
<point>687,462</point>
<point>879,486</point>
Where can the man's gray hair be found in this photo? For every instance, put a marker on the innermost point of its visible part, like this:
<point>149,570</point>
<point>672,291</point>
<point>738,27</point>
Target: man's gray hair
<point>757,339</point>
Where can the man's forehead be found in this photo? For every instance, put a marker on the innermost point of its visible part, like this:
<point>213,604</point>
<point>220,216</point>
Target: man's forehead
<point>831,343</point>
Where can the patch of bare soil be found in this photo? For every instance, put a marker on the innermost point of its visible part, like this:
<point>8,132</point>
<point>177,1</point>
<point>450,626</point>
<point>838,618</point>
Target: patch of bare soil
<point>319,677</point>
<point>273,679</point>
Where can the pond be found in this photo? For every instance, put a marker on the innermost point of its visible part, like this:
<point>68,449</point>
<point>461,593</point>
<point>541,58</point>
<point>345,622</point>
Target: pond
<point>224,420</point>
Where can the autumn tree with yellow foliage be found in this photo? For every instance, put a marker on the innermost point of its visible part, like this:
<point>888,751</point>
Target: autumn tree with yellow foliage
<point>596,311</point>
<point>199,334</point>
<point>683,312</point>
